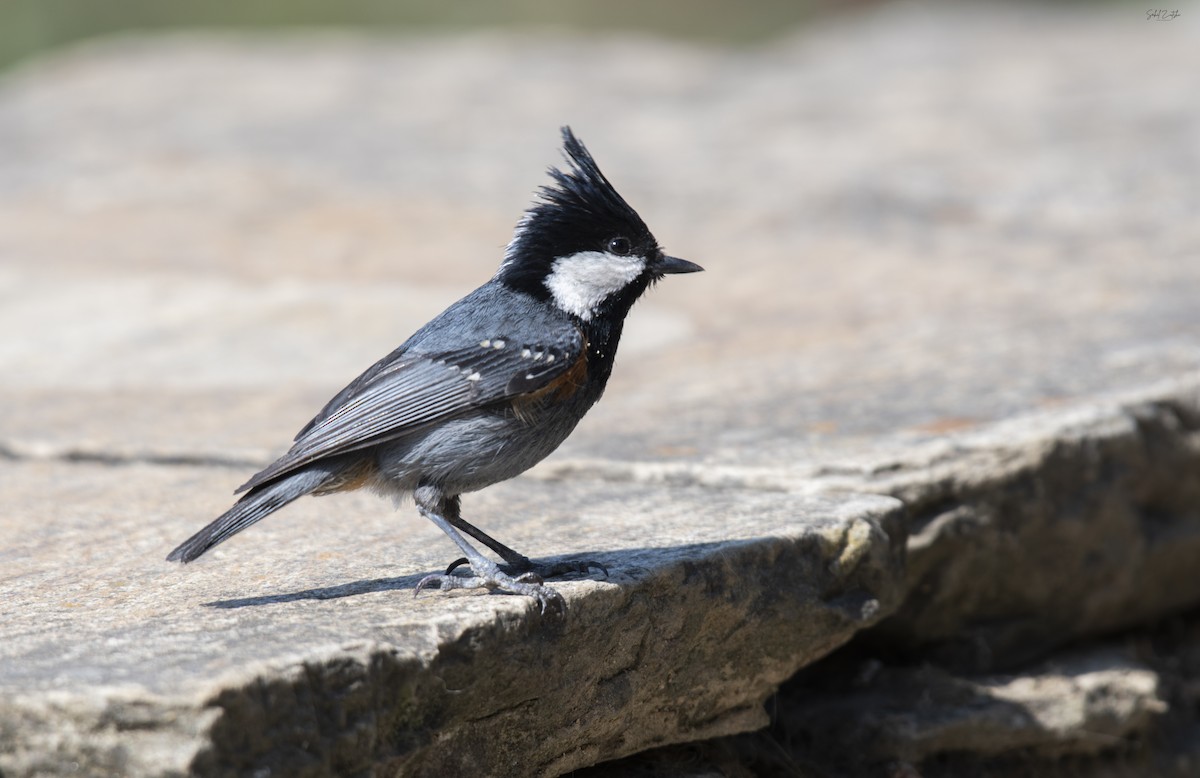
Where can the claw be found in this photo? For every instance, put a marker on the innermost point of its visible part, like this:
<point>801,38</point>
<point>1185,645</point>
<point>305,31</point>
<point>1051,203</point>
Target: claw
<point>431,580</point>
<point>551,598</point>
<point>528,584</point>
<point>542,569</point>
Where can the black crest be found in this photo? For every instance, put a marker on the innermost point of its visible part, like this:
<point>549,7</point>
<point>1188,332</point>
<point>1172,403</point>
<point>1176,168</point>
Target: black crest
<point>580,211</point>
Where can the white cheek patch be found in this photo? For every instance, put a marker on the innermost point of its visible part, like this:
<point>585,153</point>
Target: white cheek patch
<point>580,282</point>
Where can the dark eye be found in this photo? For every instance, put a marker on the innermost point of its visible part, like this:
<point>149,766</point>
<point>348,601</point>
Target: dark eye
<point>620,246</point>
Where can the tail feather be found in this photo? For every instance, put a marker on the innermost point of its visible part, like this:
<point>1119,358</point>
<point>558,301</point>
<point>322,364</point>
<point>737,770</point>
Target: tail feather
<point>255,505</point>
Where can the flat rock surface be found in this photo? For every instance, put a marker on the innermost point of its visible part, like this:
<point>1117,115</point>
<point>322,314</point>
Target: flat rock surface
<point>941,242</point>
<point>713,600</point>
<point>133,620</point>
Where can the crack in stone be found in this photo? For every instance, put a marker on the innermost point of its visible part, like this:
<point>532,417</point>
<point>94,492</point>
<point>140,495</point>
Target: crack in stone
<point>913,473</point>
<point>34,452</point>
<point>599,470</point>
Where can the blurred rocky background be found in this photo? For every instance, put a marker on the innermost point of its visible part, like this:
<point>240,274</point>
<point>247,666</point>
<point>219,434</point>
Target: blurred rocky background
<point>906,484</point>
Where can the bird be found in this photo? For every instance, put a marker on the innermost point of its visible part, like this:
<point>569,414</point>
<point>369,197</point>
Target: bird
<point>486,389</point>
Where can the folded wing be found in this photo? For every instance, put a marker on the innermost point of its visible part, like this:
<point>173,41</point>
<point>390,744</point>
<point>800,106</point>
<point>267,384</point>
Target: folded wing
<point>408,390</point>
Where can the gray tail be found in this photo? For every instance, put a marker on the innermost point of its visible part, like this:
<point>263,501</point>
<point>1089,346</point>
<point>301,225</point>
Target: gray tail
<point>256,504</point>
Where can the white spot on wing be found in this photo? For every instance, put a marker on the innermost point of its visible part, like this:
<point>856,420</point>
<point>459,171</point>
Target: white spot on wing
<point>580,282</point>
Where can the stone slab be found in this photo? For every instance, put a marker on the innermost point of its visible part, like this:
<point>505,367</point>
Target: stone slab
<point>1079,703</point>
<point>1021,536</point>
<point>304,631</point>
<point>1110,709</point>
<point>1082,522</point>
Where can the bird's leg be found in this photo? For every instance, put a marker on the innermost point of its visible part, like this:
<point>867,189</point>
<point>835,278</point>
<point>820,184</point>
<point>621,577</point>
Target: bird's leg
<point>517,561</point>
<point>514,563</point>
<point>434,505</point>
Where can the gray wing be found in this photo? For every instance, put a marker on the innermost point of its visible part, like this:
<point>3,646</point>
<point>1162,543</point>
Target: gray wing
<point>408,390</point>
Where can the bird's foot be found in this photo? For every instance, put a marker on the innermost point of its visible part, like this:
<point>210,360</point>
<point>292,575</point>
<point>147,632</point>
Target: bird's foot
<point>492,577</point>
<point>525,566</point>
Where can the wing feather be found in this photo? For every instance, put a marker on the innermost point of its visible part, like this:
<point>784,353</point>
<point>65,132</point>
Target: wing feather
<point>408,390</point>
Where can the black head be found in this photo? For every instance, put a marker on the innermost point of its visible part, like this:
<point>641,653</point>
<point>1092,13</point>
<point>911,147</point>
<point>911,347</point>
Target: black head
<point>581,246</point>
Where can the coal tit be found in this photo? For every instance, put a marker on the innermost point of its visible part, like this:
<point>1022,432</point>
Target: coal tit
<point>486,389</point>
